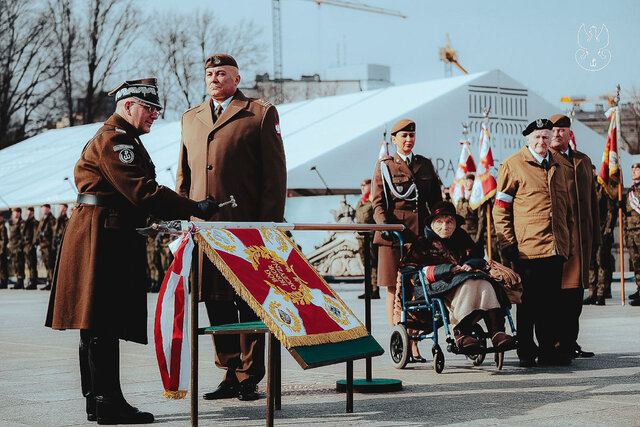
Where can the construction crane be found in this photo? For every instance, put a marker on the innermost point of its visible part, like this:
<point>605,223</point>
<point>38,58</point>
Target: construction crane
<point>277,33</point>
<point>450,56</point>
<point>609,97</point>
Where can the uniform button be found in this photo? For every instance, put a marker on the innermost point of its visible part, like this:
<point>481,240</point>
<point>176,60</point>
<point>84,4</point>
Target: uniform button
<point>550,214</point>
<point>209,167</point>
<point>210,138</point>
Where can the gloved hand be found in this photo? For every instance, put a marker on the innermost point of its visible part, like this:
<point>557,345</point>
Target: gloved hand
<point>621,204</point>
<point>206,208</point>
<point>387,235</point>
<point>511,252</point>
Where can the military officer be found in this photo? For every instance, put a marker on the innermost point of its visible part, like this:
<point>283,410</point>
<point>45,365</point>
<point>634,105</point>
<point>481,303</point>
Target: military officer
<point>632,228</point>
<point>16,246</point>
<point>603,261</point>
<point>45,236</point>
<point>61,223</point>
<point>4,249</point>
<point>471,216</point>
<point>231,145</point>
<point>405,187</point>
<point>533,218</point>
<point>364,215</point>
<point>30,255</point>
<point>99,284</point>
<point>585,236</point>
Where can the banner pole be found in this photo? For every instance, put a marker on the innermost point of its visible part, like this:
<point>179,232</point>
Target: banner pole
<point>489,229</point>
<point>621,218</point>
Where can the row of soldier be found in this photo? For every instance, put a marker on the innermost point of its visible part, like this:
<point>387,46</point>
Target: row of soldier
<point>19,245</point>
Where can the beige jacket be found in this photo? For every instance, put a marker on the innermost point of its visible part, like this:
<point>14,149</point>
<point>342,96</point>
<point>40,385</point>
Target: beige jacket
<point>532,207</point>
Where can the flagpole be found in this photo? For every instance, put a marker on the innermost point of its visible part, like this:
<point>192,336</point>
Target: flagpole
<point>620,213</point>
<point>486,121</point>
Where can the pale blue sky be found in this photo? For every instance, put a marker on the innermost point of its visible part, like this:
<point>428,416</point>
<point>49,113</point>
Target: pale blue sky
<point>534,42</point>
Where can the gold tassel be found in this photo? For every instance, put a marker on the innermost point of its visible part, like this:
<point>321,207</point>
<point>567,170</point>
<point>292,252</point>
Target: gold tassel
<point>175,394</point>
<point>287,341</point>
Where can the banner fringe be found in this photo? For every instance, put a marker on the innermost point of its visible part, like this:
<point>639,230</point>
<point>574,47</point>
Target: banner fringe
<point>175,394</point>
<point>287,341</point>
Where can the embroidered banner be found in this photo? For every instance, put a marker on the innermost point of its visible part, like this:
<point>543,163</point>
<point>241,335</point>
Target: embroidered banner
<point>268,271</point>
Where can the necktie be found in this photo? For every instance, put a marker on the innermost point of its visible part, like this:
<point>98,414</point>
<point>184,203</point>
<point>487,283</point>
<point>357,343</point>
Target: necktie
<point>218,113</point>
<point>408,162</point>
<point>545,164</point>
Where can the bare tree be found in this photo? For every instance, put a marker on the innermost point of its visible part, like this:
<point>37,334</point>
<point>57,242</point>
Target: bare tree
<point>111,30</point>
<point>64,27</point>
<point>25,75</point>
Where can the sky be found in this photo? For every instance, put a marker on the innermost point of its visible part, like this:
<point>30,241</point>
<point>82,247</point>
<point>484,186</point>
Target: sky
<point>534,42</point>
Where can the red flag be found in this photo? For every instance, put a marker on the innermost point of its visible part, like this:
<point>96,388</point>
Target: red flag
<point>465,165</point>
<point>609,175</point>
<point>484,187</point>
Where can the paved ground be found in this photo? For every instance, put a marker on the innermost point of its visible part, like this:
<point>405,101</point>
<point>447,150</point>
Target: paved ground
<point>39,380</point>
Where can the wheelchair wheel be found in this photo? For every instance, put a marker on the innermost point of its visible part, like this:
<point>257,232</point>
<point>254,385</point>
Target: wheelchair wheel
<point>480,335</point>
<point>399,347</point>
<point>499,359</point>
<point>438,359</point>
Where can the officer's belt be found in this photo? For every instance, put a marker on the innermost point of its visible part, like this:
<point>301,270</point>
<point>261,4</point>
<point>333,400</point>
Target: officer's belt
<point>102,201</point>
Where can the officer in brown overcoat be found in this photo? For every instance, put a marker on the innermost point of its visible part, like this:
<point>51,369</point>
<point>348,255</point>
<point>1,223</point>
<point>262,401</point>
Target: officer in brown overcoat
<point>30,255</point>
<point>405,187</point>
<point>45,241</point>
<point>533,218</point>
<point>99,284</point>
<point>585,234</point>
<point>16,246</point>
<point>231,145</point>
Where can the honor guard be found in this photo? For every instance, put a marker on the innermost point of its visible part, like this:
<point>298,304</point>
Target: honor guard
<point>30,253</point>
<point>16,246</point>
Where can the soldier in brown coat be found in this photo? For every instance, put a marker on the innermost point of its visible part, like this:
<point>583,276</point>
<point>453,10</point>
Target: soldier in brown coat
<point>585,234</point>
<point>16,246</point>
<point>231,145</point>
<point>99,284</point>
<point>405,187</point>
<point>533,218</point>
<point>44,237</point>
<point>4,262</point>
<point>30,255</point>
<point>61,223</point>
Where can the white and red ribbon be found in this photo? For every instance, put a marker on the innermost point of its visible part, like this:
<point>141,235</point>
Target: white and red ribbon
<point>171,330</point>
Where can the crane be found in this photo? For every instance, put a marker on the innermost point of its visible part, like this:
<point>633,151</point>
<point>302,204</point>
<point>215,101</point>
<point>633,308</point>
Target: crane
<point>450,56</point>
<point>277,33</point>
<point>610,97</point>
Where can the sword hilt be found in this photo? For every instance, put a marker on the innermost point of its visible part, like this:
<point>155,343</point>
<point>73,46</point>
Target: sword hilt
<point>231,201</point>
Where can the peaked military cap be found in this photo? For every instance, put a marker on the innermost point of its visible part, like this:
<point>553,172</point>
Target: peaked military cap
<point>220,59</point>
<point>145,90</point>
<point>403,124</point>
<point>560,121</point>
<point>538,124</point>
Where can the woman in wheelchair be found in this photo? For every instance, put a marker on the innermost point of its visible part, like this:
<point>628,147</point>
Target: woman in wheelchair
<point>457,274</point>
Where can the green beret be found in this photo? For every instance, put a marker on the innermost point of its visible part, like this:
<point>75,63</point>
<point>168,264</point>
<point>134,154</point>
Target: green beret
<point>220,59</point>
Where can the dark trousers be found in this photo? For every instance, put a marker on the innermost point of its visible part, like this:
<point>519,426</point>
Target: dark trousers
<point>241,355</point>
<point>571,308</point>
<point>541,306</point>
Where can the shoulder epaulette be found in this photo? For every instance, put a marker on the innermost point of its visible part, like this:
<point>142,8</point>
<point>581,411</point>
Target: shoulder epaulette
<point>264,102</point>
<point>385,158</point>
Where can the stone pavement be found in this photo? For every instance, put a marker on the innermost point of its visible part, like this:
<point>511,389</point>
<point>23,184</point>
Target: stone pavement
<point>40,386</point>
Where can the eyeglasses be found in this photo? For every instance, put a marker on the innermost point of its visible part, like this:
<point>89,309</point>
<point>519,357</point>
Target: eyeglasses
<point>149,108</point>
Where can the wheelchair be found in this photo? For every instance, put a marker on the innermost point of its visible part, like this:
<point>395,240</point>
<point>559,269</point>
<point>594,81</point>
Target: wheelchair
<point>426,315</point>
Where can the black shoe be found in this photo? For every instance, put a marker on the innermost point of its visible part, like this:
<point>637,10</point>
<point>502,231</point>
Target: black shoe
<point>634,295</point>
<point>416,359</point>
<point>91,408</point>
<point>19,284</point>
<point>579,353</point>
<point>527,363</point>
<point>589,300</point>
<point>226,389</point>
<point>32,285</point>
<point>248,390</point>
<point>607,294</point>
<point>599,300</point>
<point>46,288</point>
<point>112,411</point>
<point>634,302</point>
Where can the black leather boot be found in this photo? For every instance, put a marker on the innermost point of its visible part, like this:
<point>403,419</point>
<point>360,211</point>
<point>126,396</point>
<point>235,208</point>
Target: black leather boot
<point>85,375</point>
<point>32,285</point>
<point>111,406</point>
<point>19,284</point>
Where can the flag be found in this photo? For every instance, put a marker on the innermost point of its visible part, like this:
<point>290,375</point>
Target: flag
<point>465,165</point>
<point>572,142</point>
<point>609,175</point>
<point>484,186</point>
<point>171,328</point>
<point>269,272</point>
<point>384,149</point>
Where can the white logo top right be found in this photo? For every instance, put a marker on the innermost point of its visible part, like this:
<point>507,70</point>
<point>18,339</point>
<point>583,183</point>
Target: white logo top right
<point>593,54</point>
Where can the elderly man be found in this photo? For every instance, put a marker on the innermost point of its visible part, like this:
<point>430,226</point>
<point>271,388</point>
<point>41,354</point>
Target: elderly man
<point>231,145</point>
<point>533,219</point>
<point>405,187</point>
<point>585,234</point>
<point>99,284</point>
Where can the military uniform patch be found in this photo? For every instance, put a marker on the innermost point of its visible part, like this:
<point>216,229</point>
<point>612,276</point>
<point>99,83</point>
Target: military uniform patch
<point>126,156</point>
<point>278,128</point>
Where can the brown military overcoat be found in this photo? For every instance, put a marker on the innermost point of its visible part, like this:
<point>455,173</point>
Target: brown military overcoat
<point>537,215</point>
<point>99,281</point>
<point>241,155</point>
<point>585,233</point>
